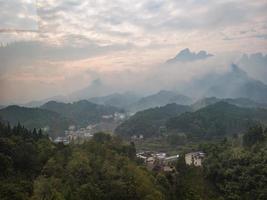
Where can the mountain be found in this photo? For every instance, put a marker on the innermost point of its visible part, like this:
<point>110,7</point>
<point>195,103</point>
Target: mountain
<point>218,119</point>
<point>236,84</point>
<point>255,65</point>
<point>38,103</point>
<point>117,100</point>
<point>242,102</point>
<point>161,98</point>
<point>35,118</point>
<point>81,112</point>
<point>95,89</point>
<point>148,122</point>
<point>186,55</point>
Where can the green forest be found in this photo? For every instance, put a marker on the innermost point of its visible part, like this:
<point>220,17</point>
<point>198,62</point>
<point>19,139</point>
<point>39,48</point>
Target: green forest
<point>106,167</point>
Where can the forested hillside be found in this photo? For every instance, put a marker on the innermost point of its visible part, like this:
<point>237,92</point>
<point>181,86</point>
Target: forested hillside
<point>34,168</point>
<point>55,117</point>
<point>36,118</point>
<point>23,154</point>
<point>81,112</point>
<point>103,168</point>
<point>219,119</point>
<point>237,167</point>
<point>148,122</point>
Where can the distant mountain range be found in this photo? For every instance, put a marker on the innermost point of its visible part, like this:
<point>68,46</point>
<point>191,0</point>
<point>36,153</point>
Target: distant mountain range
<point>186,55</point>
<point>161,98</point>
<point>241,102</point>
<point>120,100</point>
<point>237,84</point>
<point>255,65</point>
<point>38,103</point>
<point>133,103</point>
<point>233,84</point>
<point>96,89</point>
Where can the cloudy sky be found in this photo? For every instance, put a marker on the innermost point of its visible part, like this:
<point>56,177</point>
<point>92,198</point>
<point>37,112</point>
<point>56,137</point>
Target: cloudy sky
<point>55,47</point>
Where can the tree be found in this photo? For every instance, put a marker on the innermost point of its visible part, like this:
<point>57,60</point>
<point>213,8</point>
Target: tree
<point>253,136</point>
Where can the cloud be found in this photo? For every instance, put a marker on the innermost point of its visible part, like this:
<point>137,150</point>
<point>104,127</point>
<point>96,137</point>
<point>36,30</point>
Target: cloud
<point>186,55</point>
<point>18,15</point>
<point>20,54</point>
<point>119,38</point>
<point>255,64</point>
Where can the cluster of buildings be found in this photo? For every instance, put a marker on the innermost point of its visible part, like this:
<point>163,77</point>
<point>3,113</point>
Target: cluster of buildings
<point>137,137</point>
<point>108,123</point>
<point>158,161</point>
<point>161,162</point>
<point>73,134</point>
<point>115,116</point>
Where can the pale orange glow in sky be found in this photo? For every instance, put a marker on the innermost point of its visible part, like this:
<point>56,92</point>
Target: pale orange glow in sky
<point>62,46</point>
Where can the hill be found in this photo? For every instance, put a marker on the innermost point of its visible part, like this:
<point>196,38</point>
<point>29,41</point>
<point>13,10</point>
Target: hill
<point>22,156</point>
<point>218,119</point>
<point>242,102</point>
<point>32,167</point>
<point>35,118</point>
<point>161,98</point>
<point>95,89</point>
<point>117,100</point>
<point>148,122</point>
<point>81,112</point>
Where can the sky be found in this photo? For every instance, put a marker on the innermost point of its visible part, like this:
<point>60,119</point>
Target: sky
<point>56,47</point>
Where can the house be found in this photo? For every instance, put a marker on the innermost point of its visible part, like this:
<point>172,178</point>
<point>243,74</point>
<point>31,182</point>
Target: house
<point>72,128</point>
<point>194,158</point>
<point>137,137</point>
<point>63,140</point>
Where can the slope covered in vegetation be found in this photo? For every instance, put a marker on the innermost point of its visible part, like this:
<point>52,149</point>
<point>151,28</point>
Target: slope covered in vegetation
<point>148,122</point>
<point>35,118</point>
<point>219,119</point>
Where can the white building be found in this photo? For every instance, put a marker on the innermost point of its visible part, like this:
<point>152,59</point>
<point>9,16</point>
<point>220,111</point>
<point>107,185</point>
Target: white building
<point>194,158</point>
<point>63,140</point>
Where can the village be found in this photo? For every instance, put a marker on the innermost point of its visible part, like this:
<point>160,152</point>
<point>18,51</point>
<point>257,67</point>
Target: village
<point>153,160</point>
<point>80,134</point>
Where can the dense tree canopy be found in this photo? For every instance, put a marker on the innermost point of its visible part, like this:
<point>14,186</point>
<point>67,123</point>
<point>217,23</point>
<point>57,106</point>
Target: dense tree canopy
<point>22,156</point>
<point>239,172</point>
<point>148,122</point>
<point>98,169</point>
<point>216,120</point>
